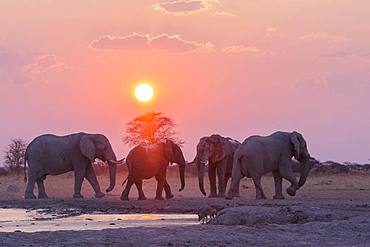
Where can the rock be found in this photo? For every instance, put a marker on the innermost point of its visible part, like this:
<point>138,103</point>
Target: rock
<point>12,188</point>
<point>257,215</point>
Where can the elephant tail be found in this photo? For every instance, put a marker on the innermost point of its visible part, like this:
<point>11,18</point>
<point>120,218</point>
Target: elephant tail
<point>125,181</point>
<point>25,167</point>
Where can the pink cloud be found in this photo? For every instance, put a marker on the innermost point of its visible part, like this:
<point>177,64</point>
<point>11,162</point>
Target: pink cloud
<point>43,64</point>
<point>329,38</point>
<point>130,42</point>
<point>184,7</point>
<point>337,54</point>
<point>223,13</point>
<point>240,49</point>
<point>139,42</point>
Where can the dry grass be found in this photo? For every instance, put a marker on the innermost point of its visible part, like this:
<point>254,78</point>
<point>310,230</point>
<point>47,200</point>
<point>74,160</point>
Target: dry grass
<point>347,186</point>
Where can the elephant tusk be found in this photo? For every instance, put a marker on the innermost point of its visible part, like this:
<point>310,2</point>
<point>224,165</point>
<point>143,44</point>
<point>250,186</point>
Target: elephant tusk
<point>117,162</point>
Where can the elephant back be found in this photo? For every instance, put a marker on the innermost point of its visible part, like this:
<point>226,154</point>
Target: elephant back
<point>146,153</point>
<point>234,143</point>
<point>137,154</point>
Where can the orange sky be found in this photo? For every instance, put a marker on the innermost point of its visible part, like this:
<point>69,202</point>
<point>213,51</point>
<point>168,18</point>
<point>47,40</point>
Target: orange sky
<point>231,67</point>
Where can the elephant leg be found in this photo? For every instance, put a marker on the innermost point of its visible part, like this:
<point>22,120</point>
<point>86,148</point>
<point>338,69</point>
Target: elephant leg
<point>41,188</point>
<point>235,181</point>
<point>221,169</point>
<point>161,179</point>
<point>126,191</point>
<point>91,177</point>
<point>167,190</point>
<point>286,172</point>
<point>79,178</point>
<point>236,189</point>
<point>29,190</point>
<point>227,178</point>
<point>259,191</point>
<point>212,179</point>
<point>278,185</point>
<point>139,186</point>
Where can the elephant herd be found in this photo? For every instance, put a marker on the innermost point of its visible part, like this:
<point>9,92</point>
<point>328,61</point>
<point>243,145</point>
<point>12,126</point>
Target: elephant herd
<point>226,158</point>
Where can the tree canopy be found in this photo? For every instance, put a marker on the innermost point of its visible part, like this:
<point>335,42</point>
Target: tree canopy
<point>14,154</point>
<point>150,128</point>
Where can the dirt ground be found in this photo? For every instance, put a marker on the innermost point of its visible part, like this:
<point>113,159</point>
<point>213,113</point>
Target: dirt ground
<point>335,209</point>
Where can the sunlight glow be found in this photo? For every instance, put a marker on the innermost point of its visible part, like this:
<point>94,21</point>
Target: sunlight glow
<point>144,92</point>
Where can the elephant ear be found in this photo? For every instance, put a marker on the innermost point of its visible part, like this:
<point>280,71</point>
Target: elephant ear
<point>217,148</point>
<point>168,149</point>
<point>87,147</point>
<point>294,139</point>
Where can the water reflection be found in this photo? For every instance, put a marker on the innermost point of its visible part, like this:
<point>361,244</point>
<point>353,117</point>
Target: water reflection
<point>35,221</point>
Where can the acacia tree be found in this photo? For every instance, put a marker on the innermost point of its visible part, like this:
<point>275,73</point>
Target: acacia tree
<point>150,128</point>
<point>14,154</point>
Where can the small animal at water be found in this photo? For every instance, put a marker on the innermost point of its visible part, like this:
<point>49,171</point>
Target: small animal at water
<point>204,213</point>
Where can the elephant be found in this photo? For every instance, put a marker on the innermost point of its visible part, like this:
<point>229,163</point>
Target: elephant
<point>147,161</point>
<point>54,155</point>
<point>218,151</point>
<point>259,155</point>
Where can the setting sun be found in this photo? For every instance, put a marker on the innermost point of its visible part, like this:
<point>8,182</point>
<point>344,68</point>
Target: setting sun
<point>144,92</point>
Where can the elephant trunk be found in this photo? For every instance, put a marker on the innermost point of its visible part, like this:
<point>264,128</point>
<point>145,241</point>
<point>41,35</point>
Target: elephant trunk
<point>182,175</point>
<point>302,179</point>
<point>112,176</point>
<point>200,166</point>
<point>112,163</point>
<point>305,170</point>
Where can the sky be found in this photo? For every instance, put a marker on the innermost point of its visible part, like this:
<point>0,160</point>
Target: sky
<point>237,68</point>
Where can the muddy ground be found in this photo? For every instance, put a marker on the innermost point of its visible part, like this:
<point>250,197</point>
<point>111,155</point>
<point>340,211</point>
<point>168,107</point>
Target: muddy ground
<point>328,211</point>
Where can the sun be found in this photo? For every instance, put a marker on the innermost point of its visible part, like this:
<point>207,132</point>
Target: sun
<point>144,92</point>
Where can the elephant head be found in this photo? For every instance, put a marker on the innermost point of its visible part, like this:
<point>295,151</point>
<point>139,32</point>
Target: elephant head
<point>174,155</point>
<point>299,147</point>
<point>213,149</point>
<point>98,146</point>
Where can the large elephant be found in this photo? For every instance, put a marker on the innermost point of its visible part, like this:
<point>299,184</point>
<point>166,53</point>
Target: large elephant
<point>259,155</point>
<point>54,155</point>
<point>218,151</point>
<point>149,161</point>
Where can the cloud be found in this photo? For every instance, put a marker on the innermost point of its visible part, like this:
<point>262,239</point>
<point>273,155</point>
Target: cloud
<point>240,49</point>
<point>184,7</point>
<point>17,67</point>
<point>329,38</point>
<point>338,54</point>
<point>44,64</point>
<point>133,41</point>
<point>223,13</point>
<point>348,55</point>
<point>139,42</point>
